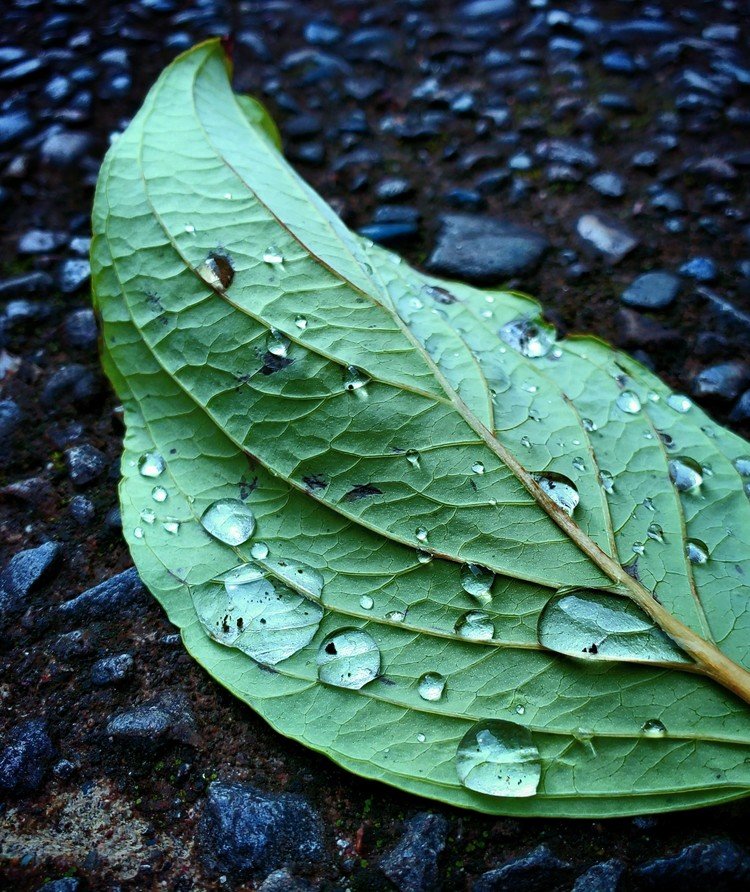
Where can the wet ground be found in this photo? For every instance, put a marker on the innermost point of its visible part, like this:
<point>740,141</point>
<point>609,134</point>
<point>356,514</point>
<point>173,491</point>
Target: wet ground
<point>630,115</point>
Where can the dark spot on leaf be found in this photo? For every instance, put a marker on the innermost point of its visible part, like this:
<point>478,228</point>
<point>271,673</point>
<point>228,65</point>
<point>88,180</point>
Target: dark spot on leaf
<point>632,570</point>
<point>247,487</point>
<point>362,491</point>
<point>389,681</point>
<point>240,622</point>
<point>315,481</point>
<point>331,649</point>
<point>223,268</point>
<point>273,363</point>
<point>666,439</point>
<point>592,649</point>
<point>441,295</point>
<point>154,302</point>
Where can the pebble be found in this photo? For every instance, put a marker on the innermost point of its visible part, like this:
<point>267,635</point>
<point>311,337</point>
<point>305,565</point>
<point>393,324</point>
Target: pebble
<point>40,241</point>
<point>73,274</point>
<point>14,126</point>
<point>107,599</point>
<point>741,410</point>
<point>112,670</point>
<point>65,148</point>
<point>607,183</point>
<point>412,864</point>
<point>537,871</point>
<point>166,717</point>
<point>82,509</point>
<point>247,832</point>
<point>717,865</point>
<point>652,291</point>
<point>26,756</point>
<point>725,381</point>
<point>66,884</point>
<point>36,283</point>
<point>283,881</point>
<point>85,464</point>
<point>605,236</point>
<point>10,419</point>
<point>701,268</point>
<point>79,330</point>
<point>484,249</point>
<point>24,573</point>
<point>606,876</point>
<point>72,383</point>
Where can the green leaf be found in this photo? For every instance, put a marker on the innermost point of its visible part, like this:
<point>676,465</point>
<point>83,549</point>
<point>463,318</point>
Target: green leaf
<point>395,515</point>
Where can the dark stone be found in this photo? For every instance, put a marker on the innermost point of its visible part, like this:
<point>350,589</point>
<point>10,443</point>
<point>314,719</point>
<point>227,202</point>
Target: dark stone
<point>602,877</point>
<point>82,509</point>
<point>719,865</point>
<point>741,410</point>
<point>605,236</point>
<point>71,384</point>
<point>72,645</point>
<point>283,881</point>
<point>25,572</point>
<point>64,149</point>
<point>66,884</point>
<point>538,871</point>
<point>393,188</point>
<point>483,249</point>
<point>14,126</point>
<point>85,464</point>
<point>245,832</point>
<point>73,274</point>
<point>412,865</point>
<point>25,758</point>
<point>166,717</point>
<point>725,380</point>
<point>389,233</point>
<point>105,600</point>
<point>37,283</point>
<point>112,670</point>
<point>482,9</point>
<point>652,291</point>
<point>565,151</point>
<point>636,330</point>
<point>79,329</point>
<point>10,419</point>
<point>618,62</point>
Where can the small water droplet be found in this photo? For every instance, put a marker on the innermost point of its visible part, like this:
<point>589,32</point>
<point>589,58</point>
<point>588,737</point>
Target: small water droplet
<point>526,442</point>
<point>685,473</point>
<point>147,515</point>
<point>421,534</point>
<point>217,271</point>
<point>696,551</point>
<point>477,581</point>
<point>742,465</point>
<point>475,626</point>
<point>607,481</point>
<point>159,494</point>
<point>229,521</point>
<point>648,504</point>
<point>629,402</point>
<point>259,551</point>
<point>354,378</point>
<point>499,759</point>
<point>654,728</point>
<point>530,337</point>
<point>349,658</point>
<point>171,526</point>
<point>395,616</point>
<point>520,709</point>
<point>272,256</point>
<point>431,686</point>
<point>679,403</point>
<point>421,737</point>
<point>424,557</point>
<point>478,467</point>
<point>366,602</point>
<point>579,464</point>
<point>560,489</point>
<point>138,532</point>
<point>588,425</point>
<point>151,464</point>
<point>655,532</point>
<point>412,456</point>
<point>653,396</point>
<point>189,228</point>
<point>639,548</point>
<point>301,323</point>
<point>277,344</point>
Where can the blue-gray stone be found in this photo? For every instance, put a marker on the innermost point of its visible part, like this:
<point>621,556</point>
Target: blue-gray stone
<point>719,865</point>
<point>652,291</point>
<point>605,876</point>
<point>26,756</point>
<point>537,871</point>
<point>25,572</point>
<point>105,600</point>
<point>412,864</point>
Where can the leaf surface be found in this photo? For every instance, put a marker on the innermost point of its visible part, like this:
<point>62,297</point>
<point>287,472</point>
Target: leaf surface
<point>409,452</point>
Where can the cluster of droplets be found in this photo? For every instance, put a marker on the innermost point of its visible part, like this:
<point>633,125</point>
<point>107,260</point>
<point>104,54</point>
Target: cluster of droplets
<point>152,465</point>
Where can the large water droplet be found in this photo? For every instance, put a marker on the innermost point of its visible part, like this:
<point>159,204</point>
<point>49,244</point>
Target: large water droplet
<point>478,467</point>
<point>431,686</point>
<point>685,473</point>
<point>272,256</point>
<point>696,551</point>
<point>499,759</point>
<point>151,464</point>
<point>655,532</point>
<point>355,378</point>
<point>560,489</point>
<point>259,551</point>
<point>229,520</point>
<point>742,465</point>
<point>477,582</point>
<point>147,515</point>
<point>679,403</point>
<point>475,626</point>
<point>654,728</point>
<point>629,402</point>
<point>159,494</point>
<point>424,557</point>
<point>349,658</point>
<point>593,625</point>
<point>531,337</point>
<point>217,271</point>
<point>277,344</point>
<point>412,456</point>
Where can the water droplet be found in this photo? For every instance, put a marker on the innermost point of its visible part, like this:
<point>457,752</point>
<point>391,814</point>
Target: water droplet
<point>354,378</point>
<point>259,551</point>
<point>138,532</point>
<point>530,337</point>
<point>241,575</point>
<point>655,532</point>
<point>277,344</point>
<point>421,737</point>
<point>579,464</point>
<point>159,494</point>
<point>477,581</point>
<point>349,658</point>
<point>412,456</point>
<point>151,464</point>
<point>679,403</point>
<point>607,481</point>
<point>147,515</point>
<point>366,602</point>
<point>588,425</point>
<point>272,256</point>
<point>520,709</point>
<point>499,759</point>
<point>478,467</point>
<point>594,625</point>
<point>742,465</point>
<point>654,728</point>
<point>171,526</point>
<point>629,402</point>
<point>639,548</point>
<point>301,323</point>
<point>189,228</point>
<point>421,534</point>
<point>395,616</point>
<point>424,557</point>
<point>525,441</point>
<point>217,271</point>
<point>229,521</point>
<point>560,489</point>
<point>696,551</point>
<point>685,473</point>
<point>431,686</point>
<point>648,504</point>
<point>475,626</point>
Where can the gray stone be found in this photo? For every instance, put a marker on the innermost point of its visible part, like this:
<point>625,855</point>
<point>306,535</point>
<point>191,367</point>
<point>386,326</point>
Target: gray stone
<point>566,151</point>
<point>72,383</point>
<point>166,717</point>
<point>537,871</point>
<point>25,758</point>
<point>483,249</point>
<point>73,274</point>
<point>112,670</point>
<point>652,291</point>
<point>607,183</point>
<point>66,884</point>
<point>36,283</point>
<point>79,329</point>
<point>40,241</point>
<point>85,464</point>
<point>65,148</point>
<point>13,127</point>
<point>481,9</point>
<point>107,599</point>
<point>741,410</point>
<point>719,865</point>
<point>605,236</point>
<point>10,419</point>
<point>25,572</point>
<point>412,865</point>
<point>605,876</point>
<point>725,380</point>
<point>283,881</point>
<point>246,832</point>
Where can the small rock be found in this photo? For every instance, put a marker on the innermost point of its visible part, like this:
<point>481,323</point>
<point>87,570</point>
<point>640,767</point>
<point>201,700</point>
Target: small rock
<point>701,268</point>
<point>85,464</point>
<point>283,881</point>
<point>72,645</point>
<point>607,183</point>
<point>602,877</point>
<point>107,599</point>
<point>71,384</point>
<point>168,716</point>
<point>607,237</point>
<point>412,865</point>
<point>244,831</point>
<point>25,758</point>
<point>741,410</point>
<point>73,274</point>
<point>13,127</point>
<point>652,291</point>
<point>66,884</point>
<point>79,329</point>
<point>565,151</point>
<point>65,148</point>
<point>36,283</point>
<point>24,572</point>
<point>82,509</point>
<point>112,670</point>
<point>725,380</point>
<point>40,241</point>
<point>718,865</point>
<point>10,419</point>
<point>482,249</point>
<point>538,871</point>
